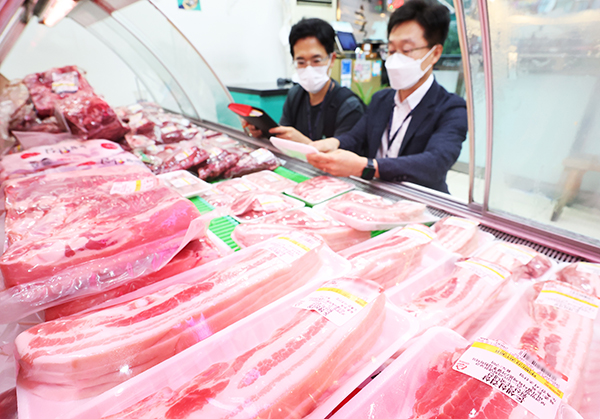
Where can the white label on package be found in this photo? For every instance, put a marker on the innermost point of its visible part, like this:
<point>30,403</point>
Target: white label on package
<point>135,108</point>
<point>126,188</point>
<point>514,373</point>
<point>522,254</point>
<point>271,177</point>
<point>183,181</point>
<point>292,246</point>
<point>567,298</point>
<point>417,232</point>
<point>461,222</point>
<point>588,268</point>
<point>190,131</point>
<point>168,129</point>
<point>315,215</point>
<point>215,151</point>
<point>486,270</point>
<point>262,155</point>
<point>339,300</point>
<point>242,187</point>
<point>271,203</point>
<point>184,154</point>
<point>65,82</point>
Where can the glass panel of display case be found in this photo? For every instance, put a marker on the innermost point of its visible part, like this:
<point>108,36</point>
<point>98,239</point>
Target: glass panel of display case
<point>546,88</point>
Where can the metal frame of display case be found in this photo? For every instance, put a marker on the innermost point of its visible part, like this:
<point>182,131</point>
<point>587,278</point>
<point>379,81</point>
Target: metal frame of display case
<point>512,225</point>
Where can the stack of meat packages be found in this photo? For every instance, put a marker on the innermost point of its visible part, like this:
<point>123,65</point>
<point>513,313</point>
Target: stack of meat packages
<point>167,142</point>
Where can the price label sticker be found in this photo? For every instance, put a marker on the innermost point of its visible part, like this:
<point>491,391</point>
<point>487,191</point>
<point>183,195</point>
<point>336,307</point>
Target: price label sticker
<point>588,268</point>
<point>65,82</point>
<point>519,375</point>
<point>135,108</point>
<point>568,298</point>
<point>486,270</point>
<point>292,246</point>
<point>419,232</point>
<point>262,155</point>
<point>520,253</point>
<point>339,300</point>
<point>169,129</point>
<point>272,203</point>
<point>126,188</point>
<point>183,154</point>
<point>461,222</point>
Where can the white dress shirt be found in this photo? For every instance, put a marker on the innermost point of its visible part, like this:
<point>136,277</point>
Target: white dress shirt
<point>401,120</point>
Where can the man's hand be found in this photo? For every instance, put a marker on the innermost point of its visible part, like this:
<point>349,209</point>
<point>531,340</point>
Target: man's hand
<point>326,145</point>
<point>252,130</point>
<point>290,133</point>
<point>338,162</point>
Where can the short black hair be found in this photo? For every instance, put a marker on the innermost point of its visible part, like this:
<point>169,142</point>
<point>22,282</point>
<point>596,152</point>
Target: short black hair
<point>313,27</point>
<point>433,17</point>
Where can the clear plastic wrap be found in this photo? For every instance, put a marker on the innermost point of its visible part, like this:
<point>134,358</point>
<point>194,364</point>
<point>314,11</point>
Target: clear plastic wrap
<point>319,189</point>
<point>184,182</point>
<point>218,163</point>
<point>337,235</point>
<point>254,161</point>
<point>180,156</point>
<point>87,231</point>
<point>236,187</point>
<point>458,235</point>
<point>319,370</point>
<point>28,140</point>
<point>254,205</point>
<point>389,258</point>
<point>146,327</point>
<point>523,261</point>
<point>196,253</point>
<point>583,275</point>
<point>368,212</point>
<point>270,181</point>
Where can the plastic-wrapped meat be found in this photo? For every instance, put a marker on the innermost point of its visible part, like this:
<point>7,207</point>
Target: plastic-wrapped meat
<point>282,377</point>
<point>180,156</point>
<point>457,298</point>
<point>218,162</point>
<point>261,159</point>
<point>320,188</point>
<point>388,261</point>
<point>85,354</point>
<point>8,404</point>
<point>366,207</point>
<point>583,275</point>
<point>217,198</point>
<point>522,261</point>
<point>90,117</point>
<point>457,234</point>
<point>337,235</point>
<point>270,181</point>
<point>47,89</point>
<point>256,204</point>
<point>65,153</point>
<point>235,187</point>
<point>87,231</point>
<point>196,253</point>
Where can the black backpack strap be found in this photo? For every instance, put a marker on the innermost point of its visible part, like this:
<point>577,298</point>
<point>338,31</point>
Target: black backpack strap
<point>338,96</point>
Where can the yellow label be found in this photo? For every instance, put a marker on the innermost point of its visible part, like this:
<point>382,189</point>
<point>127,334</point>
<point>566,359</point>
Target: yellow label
<point>486,267</point>
<point>346,294</point>
<point>300,245</point>
<point>570,296</point>
<point>519,363</point>
<point>138,185</point>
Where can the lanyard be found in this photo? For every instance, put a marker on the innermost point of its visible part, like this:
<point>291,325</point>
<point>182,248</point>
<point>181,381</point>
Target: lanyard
<point>389,130</point>
<point>308,113</point>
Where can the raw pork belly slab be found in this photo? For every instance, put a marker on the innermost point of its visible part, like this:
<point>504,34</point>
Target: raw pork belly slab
<point>270,181</point>
<point>319,189</point>
<point>86,231</point>
<point>252,205</point>
<point>283,377</point>
<point>522,261</point>
<point>583,275</point>
<point>457,234</point>
<point>337,235</point>
<point>83,355</point>
<point>365,207</point>
<point>196,253</point>
<point>389,261</point>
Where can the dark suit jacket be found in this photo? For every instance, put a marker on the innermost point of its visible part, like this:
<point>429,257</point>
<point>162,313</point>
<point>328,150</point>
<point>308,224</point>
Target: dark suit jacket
<point>432,142</point>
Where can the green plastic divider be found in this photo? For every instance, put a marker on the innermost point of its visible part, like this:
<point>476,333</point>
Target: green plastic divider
<point>201,204</point>
<point>290,174</point>
<point>223,227</point>
<point>377,233</point>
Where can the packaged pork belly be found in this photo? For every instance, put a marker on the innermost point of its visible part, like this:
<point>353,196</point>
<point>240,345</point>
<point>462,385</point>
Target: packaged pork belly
<point>184,182</point>
<point>255,205</point>
<point>85,232</point>
<point>337,235</point>
<point>431,380</point>
<point>390,258</point>
<point>270,181</point>
<point>298,357</point>
<point>368,212</point>
<point>130,334</point>
<point>319,189</point>
<point>460,235</point>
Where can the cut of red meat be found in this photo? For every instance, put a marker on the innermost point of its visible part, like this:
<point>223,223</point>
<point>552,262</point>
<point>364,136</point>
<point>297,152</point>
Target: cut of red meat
<point>218,162</point>
<point>282,377</point>
<point>82,355</point>
<point>182,156</point>
<point>256,204</point>
<point>196,253</point>
<point>261,159</point>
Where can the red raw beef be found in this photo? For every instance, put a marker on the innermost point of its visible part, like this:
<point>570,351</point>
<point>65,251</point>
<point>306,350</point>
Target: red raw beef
<point>261,159</point>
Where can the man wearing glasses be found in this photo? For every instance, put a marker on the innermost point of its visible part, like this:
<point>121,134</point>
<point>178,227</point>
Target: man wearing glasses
<point>318,107</point>
<point>414,131</point>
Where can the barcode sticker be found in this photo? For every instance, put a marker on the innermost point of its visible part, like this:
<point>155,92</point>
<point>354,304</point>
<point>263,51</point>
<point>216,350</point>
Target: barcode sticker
<point>339,300</point>
<point>588,268</point>
<point>292,246</point>
<point>486,270</point>
<point>517,374</point>
<point>567,298</point>
<point>126,188</point>
<point>417,232</point>
<point>461,222</point>
<point>520,253</point>
<point>65,82</point>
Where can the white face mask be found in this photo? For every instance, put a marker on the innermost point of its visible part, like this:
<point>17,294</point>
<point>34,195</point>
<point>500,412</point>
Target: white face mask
<point>404,72</point>
<point>313,79</point>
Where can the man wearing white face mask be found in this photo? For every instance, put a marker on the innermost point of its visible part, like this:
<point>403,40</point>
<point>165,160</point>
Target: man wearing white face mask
<point>414,131</point>
<point>318,107</point>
